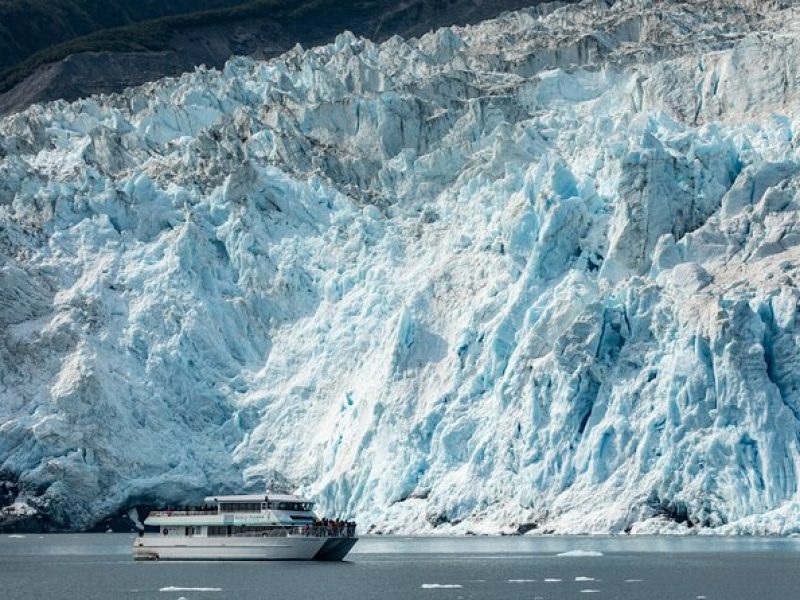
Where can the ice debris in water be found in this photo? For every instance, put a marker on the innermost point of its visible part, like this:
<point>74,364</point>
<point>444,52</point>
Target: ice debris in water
<point>580,553</point>
<point>444,586</point>
<point>173,588</point>
<point>580,578</point>
<point>541,270</point>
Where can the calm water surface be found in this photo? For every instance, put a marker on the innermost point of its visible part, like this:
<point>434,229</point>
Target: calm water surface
<point>58,567</point>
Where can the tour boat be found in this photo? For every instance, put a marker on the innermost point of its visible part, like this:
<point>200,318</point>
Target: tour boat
<point>252,527</point>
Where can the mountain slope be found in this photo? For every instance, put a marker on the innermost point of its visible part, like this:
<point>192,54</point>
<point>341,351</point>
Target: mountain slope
<point>27,26</point>
<point>86,49</point>
<point>535,273</point>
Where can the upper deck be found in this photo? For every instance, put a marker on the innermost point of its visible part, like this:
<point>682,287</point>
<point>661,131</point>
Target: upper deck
<point>250,509</point>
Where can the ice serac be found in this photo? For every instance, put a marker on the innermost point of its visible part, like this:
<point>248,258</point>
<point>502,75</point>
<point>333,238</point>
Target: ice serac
<point>534,274</point>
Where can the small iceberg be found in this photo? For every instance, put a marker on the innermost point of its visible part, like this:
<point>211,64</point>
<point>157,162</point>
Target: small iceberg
<point>580,553</point>
<point>589,591</point>
<point>173,588</point>
<point>441,586</point>
<point>552,580</point>
<point>16,536</point>
<point>584,578</point>
<point>521,580</point>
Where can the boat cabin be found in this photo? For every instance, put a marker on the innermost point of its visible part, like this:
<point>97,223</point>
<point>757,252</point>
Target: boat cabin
<point>258,503</point>
<point>244,515</point>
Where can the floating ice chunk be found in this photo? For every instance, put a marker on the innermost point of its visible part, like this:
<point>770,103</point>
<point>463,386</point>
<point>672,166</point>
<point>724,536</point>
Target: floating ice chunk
<point>634,580</point>
<point>587,591</point>
<point>441,586</point>
<point>521,580</point>
<point>701,597</point>
<point>579,578</point>
<point>552,580</point>
<point>16,536</point>
<point>174,588</point>
<point>580,553</point>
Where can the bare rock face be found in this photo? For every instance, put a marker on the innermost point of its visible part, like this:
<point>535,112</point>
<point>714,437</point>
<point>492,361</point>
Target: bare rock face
<point>536,272</point>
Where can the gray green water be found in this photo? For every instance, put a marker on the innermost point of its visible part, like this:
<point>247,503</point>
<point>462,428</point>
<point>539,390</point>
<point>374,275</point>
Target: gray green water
<point>59,567</point>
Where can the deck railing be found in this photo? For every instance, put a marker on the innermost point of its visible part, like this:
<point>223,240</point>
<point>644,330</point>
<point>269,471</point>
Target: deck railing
<point>326,531</point>
<point>183,513</point>
<point>301,531</point>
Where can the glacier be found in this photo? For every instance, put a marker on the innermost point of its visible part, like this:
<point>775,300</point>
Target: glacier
<point>532,275</point>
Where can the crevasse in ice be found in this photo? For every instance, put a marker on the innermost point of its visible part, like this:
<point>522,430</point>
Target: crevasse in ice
<point>534,273</point>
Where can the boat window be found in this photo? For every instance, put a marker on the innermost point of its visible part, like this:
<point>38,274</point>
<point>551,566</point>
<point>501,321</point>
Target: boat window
<point>281,505</point>
<point>233,507</point>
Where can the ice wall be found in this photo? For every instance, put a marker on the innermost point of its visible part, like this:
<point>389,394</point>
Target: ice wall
<point>535,274</point>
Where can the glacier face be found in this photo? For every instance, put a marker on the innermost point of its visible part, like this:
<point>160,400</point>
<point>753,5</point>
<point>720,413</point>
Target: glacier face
<point>534,273</point>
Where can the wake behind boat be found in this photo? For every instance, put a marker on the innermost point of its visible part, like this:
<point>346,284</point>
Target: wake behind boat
<point>249,527</point>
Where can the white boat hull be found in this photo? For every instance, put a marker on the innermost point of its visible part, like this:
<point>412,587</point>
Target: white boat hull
<point>229,548</point>
<point>245,527</point>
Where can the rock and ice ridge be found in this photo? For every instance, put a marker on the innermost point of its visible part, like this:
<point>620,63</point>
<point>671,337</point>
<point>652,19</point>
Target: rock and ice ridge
<point>538,272</point>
